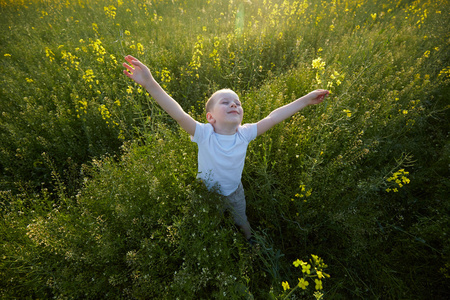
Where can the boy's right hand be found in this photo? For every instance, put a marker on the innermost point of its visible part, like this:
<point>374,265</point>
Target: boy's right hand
<point>137,70</point>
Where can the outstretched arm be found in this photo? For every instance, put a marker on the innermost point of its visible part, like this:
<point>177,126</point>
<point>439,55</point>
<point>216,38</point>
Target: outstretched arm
<point>142,75</point>
<point>290,109</point>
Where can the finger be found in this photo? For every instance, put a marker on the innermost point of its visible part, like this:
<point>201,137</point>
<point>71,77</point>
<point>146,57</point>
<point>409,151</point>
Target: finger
<point>137,63</point>
<point>128,67</point>
<point>127,73</point>
<point>130,58</point>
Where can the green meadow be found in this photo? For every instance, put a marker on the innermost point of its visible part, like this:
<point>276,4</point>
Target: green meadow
<point>348,199</point>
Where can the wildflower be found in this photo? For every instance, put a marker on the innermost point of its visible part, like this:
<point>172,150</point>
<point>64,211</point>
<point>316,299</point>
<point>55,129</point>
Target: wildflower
<point>349,113</point>
<point>318,284</point>
<point>130,90</point>
<point>110,11</point>
<point>285,285</point>
<point>318,295</point>
<point>445,71</point>
<point>318,63</point>
<point>331,27</point>
<point>405,112</point>
<point>427,54</point>
<point>140,48</point>
<point>127,32</point>
<point>104,112</point>
<point>89,76</point>
<point>7,55</point>
<point>49,54</point>
<point>297,263</point>
<point>374,16</point>
<point>302,283</point>
<point>306,268</point>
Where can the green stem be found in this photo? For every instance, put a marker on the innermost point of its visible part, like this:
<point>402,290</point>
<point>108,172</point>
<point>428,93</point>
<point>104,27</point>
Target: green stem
<point>287,296</point>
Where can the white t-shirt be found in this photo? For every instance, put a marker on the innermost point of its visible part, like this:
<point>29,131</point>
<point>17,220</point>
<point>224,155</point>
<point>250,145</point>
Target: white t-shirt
<point>221,157</point>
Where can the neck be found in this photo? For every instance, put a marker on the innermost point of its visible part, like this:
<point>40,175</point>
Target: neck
<point>225,130</point>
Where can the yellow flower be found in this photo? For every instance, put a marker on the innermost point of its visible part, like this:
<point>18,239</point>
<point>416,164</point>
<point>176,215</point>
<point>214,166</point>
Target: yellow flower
<point>302,283</point>
<point>374,16</point>
<point>318,63</point>
<point>89,76</point>
<point>140,48</point>
<point>285,285</point>
<point>7,55</point>
<point>110,11</point>
<point>349,113</point>
<point>297,263</point>
<point>318,284</point>
<point>306,268</point>
<point>318,295</point>
<point>127,32</point>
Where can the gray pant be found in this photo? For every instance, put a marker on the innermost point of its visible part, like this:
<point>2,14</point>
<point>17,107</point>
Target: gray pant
<point>235,202</point>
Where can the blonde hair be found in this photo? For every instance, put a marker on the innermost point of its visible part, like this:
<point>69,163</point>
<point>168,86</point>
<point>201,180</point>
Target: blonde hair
<point>210,103</point>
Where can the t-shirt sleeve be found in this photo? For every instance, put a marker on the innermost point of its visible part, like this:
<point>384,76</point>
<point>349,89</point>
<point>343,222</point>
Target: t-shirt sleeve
<point>201,131</point>
<point>249,131</point>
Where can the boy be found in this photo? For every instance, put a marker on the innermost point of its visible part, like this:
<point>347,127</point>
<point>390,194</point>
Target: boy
<point>222,142</point>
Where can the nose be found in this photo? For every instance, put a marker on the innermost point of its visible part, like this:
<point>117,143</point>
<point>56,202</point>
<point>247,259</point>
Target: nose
<point>233,104</point>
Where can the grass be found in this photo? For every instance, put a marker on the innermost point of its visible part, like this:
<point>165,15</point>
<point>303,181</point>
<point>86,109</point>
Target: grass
<point>97,184</point>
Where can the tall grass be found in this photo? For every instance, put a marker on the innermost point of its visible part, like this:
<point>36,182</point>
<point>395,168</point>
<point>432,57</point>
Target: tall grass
<point>98,191</point>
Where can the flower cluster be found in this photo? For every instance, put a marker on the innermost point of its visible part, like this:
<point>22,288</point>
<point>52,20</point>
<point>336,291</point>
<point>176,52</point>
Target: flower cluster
<point>89,76</point>
<point>310,270</point>
<point>398,180</point>
<point>318,64</point>
<point>49,54</point>
<point>82,108</point>
<point>110,11</point>
<point>303,194</point>
<point>68,57</point>
<point>98,49</point>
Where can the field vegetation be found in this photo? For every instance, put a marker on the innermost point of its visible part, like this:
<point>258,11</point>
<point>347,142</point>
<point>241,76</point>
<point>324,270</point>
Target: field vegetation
<point>348,199</point>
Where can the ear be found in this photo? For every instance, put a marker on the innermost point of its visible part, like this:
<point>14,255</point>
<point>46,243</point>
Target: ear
<point>210,118</point>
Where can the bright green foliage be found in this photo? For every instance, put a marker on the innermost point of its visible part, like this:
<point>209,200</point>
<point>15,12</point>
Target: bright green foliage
<point>98,194</point>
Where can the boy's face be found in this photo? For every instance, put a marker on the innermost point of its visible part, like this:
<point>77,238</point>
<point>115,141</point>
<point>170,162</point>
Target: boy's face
<point>226,112</point>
